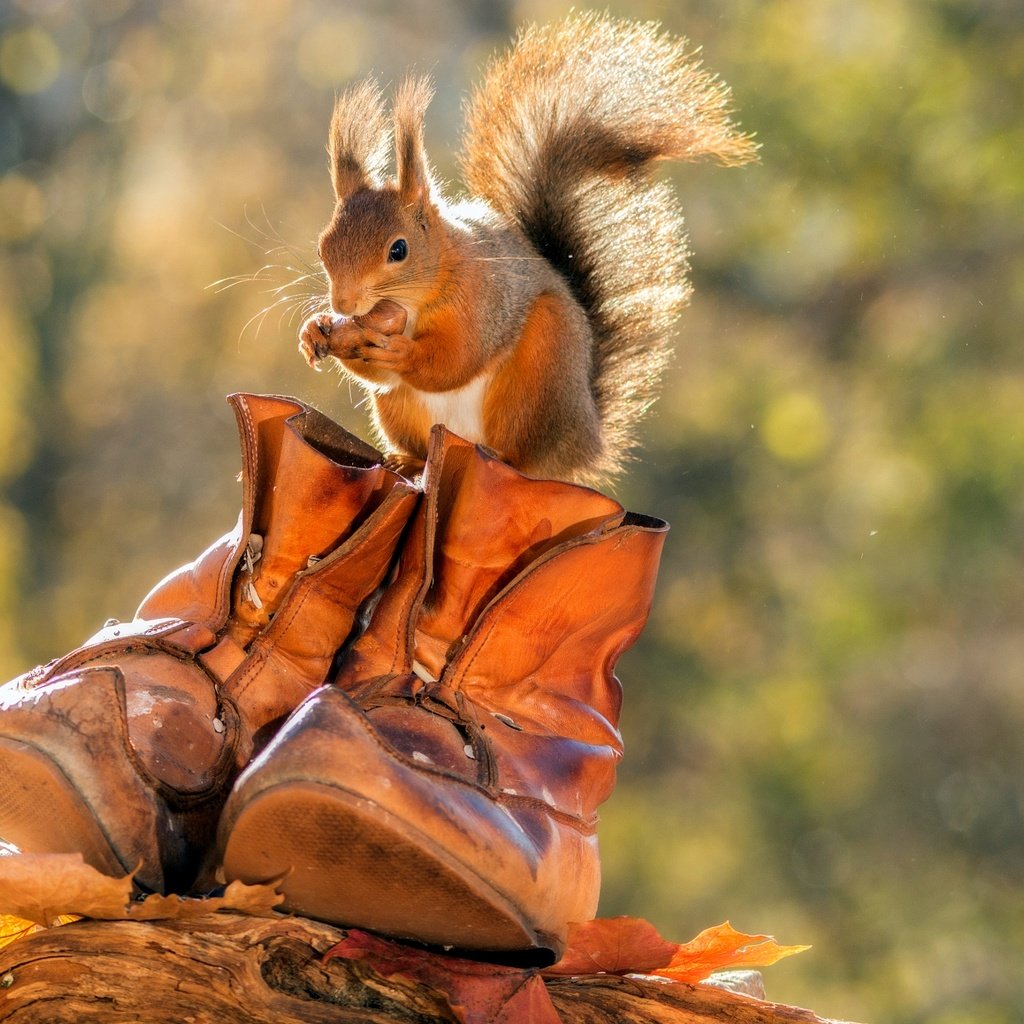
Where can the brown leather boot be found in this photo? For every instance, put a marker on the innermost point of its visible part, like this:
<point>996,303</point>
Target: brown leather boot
<point>124,749</point>
<point>445,788</point>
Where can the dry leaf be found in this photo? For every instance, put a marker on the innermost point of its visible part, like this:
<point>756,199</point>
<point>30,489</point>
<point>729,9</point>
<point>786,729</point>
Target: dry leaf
<point>630,945</point>
<point>258,900</point>
<point>721,948</point>
<point>617,945</point>
<point>478,993</point>
<point>43,887</point>
<point>14,928</point>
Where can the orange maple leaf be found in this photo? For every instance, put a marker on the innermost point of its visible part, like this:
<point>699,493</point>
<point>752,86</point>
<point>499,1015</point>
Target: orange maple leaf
<point>630,945</point>
<point>720,948</point>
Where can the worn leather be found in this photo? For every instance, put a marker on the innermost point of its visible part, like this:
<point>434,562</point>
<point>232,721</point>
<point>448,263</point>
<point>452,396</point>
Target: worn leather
<point>147,723</point>
<point>476,717</point>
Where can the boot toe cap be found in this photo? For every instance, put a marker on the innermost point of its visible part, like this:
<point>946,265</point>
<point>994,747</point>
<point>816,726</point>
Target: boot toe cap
<point>365,836</point>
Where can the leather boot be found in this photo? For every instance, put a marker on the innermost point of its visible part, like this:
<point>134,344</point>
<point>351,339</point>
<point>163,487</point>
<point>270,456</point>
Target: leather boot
<point>444,788</point>
<point>125,748</point>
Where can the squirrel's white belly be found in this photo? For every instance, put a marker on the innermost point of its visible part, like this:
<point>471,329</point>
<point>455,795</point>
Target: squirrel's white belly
<point>461,410</point>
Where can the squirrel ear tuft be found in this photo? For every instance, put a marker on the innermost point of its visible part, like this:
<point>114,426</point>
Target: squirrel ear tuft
<point>409,108</point>
<point>359,139</point>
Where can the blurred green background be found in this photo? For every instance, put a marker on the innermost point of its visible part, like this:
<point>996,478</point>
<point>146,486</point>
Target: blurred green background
<point>824,717</point>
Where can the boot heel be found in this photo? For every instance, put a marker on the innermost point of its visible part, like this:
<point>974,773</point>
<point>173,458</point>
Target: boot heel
<point>50,814</point>
<point>348,861</point>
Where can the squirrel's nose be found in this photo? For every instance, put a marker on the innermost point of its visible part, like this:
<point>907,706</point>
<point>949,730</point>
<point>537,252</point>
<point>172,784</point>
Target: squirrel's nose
<point>344,302</point>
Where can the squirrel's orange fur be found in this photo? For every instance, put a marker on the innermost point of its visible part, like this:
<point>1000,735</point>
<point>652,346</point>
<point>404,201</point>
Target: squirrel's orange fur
<point>537,313</point>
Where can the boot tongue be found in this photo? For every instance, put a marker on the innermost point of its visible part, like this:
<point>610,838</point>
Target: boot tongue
<point>491,523</point>
<point>308,504</point>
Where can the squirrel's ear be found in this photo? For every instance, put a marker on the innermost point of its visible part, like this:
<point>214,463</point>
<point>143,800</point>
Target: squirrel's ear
<point>359,139</point>
<point>410,105</point>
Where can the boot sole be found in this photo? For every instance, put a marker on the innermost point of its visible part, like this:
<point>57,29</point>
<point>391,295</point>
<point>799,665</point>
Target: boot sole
<point>45,811</point>
<point>348,861</point>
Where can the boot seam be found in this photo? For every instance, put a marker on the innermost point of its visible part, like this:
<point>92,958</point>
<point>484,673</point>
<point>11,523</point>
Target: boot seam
<point>167,793</point>
<point>482,630</point>
<point>249,473</point>
<point>584,826</point>
<point>221,770</point>
<point>411,611</point>
<point>81,657</point>
<point>307,584</point>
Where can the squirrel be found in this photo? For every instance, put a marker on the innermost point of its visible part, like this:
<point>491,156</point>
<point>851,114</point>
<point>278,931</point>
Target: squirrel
<point>534,317</point>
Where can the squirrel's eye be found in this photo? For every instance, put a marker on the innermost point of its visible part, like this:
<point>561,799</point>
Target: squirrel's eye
<point>398,251</point>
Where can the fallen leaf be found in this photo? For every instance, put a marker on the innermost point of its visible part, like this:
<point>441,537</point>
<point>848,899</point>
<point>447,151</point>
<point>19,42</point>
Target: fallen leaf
<point>40,888</point>
<point>630,945</point>
<point>478,993</point>
<point>529,1002</point>
<point>721,948</point>
<point>257,900</point>
<point>616,945</point>
<point>14,928</point>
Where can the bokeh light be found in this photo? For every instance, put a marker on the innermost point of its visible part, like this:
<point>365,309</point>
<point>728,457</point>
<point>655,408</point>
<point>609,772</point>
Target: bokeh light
<point>824,719</point>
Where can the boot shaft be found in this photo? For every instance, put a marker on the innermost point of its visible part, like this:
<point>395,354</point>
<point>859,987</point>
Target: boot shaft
<point>266,607</point>
<point>513,601</point>
<point>306,484</point>
<point>479,524</point>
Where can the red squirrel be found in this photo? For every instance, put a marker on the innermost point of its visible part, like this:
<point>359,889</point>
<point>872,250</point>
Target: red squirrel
<point>535,317</point>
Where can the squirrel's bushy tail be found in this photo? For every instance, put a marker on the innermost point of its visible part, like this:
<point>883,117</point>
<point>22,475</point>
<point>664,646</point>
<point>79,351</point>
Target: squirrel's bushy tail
<point>560,136</point>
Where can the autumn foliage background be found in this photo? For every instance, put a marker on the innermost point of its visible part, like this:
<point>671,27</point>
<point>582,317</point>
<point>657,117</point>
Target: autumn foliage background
<point>824,717</point>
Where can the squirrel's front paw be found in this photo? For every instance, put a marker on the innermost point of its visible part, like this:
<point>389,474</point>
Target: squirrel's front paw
<point>359,338</point>
<point>393,352</point>
<point>408,466</point>
<point>327,334</point>
<point>315,338</point>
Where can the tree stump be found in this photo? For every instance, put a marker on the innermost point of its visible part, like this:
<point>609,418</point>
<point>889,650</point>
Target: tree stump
<point>230,968</point>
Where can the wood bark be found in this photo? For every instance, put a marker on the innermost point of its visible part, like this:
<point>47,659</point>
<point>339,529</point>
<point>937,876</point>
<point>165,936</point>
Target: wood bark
<point>235,969</point>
